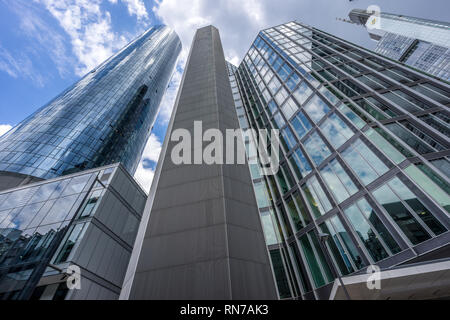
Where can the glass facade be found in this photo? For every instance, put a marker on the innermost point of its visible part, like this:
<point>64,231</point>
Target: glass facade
<point>104,118</point>
<point>87,219</point>
<point>360,158</point>
<point>420,43</point>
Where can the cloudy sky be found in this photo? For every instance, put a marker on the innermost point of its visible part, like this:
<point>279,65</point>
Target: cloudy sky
<point>46,45</point>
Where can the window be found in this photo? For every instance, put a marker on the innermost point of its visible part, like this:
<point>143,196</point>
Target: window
<point>316,108</point>
<point>331,97</point>
<point>391,195</point>
<point>274,85</point>
<point>355,119</point>
<point>367,235</point>
<point>302,166</point>
<point>293,81</point>
<point>316,148</point>
<point>272,106</point>
<point>288,137</point>
<point>342,247</point>
<point>363,217</point>
<point>338,181</point>
<point>317,265</point>
<point>364,162</point>
<point>281,96</point>
<point>289,108</point>
<point>413,141</point>
<point>302,93</point>
<point>270,232</point>
<point>298,223</point>
<point>280,274</point>
<point>389,146</point>
<point>279,121</point>
<point>316,197</point>
<point>431,183</point>
<point>303,212</point>
<point>336,131</point>
<point>301,124</point>
<point>65,251</point>
<point>60,210</point>
<point>92,202</point>
<point>261,195</point>
<point>284,71</point>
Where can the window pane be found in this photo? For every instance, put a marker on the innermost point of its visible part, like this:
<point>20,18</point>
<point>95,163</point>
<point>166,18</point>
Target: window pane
<point>368,237</point>
<point>313,265</point>
<point>364,162</point>
<point>404,219</point>
<point>261,195</point>
<point>413,201</point>
<point>410,139</point>
<point>336,131</point>
<point>289,108</point>
<point>316,197</point>
<point>294,215</point>
<point>280,274</point>
<point>269,229</point>
<point>303,211</point>
<point>60,210</point>
<point>272,106</point>
<point>393,153</point>
<point>301,124</point>
<point>293,81</point>
<point>372,217</point>
<point>281,96</point>
<point>338,181</point>
<point>340,230</point>
<point>316,148</point>
<point>429,186</point>
<point>279,121</point>
<point>353,117</point>
<point>337,250</point>
<point>70,243</point>
<point>302,93</point>
<point>288,137</point>
<point>321,256</point>
<point>316,108</point>
<point>302,163</point>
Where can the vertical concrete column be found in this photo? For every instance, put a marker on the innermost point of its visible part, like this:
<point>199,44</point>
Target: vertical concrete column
<point>201,236</point>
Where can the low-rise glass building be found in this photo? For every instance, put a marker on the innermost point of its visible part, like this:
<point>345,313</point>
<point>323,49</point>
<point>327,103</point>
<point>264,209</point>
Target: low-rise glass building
<point>86,220</point>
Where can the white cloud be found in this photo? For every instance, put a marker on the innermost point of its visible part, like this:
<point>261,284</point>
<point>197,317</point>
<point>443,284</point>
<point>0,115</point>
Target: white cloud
<point>238,21</point>
<point>151,153</point>
<point>169,97</point>
<point>144,177</point>
<point>19,65</point>
<point>152,149</point>
<point>89,29</point>
<point>4,128</point>
<point>137,8</point>
<point>134,7</point>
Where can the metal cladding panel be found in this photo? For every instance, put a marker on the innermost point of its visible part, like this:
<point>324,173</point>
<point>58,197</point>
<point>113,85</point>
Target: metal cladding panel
<point>203,238</point>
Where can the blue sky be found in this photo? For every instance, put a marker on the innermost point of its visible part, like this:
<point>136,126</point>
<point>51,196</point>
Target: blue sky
<point>46,45</point>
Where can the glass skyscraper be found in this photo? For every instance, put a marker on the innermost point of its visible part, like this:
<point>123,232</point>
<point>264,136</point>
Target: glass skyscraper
<point>420,43</point>
<point>104,118</point>
<point>364,169</point>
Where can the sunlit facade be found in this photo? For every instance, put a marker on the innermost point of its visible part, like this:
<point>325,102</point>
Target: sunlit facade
<point>420,43</point>
<point>364,159</point>
<point>104,118</point>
